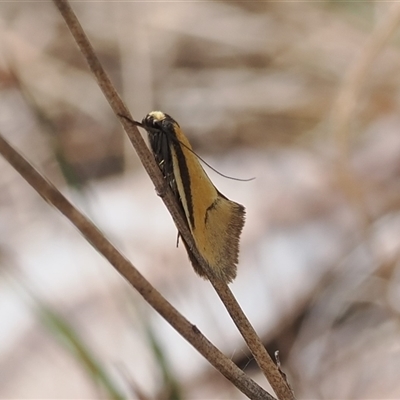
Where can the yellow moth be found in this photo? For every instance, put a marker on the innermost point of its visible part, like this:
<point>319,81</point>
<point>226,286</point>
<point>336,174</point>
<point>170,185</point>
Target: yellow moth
<point>214,221</point>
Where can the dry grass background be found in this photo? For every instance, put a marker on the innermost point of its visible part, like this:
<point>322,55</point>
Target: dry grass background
<point>253,84</point>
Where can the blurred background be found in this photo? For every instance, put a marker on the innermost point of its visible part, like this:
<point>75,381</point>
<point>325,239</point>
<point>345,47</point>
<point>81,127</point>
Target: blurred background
<point>254,85</point>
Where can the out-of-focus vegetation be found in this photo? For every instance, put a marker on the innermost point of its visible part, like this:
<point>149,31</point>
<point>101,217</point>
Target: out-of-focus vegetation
<point>253,85</point>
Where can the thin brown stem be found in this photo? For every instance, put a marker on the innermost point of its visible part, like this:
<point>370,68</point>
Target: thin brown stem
<point>189,331</point>
<point>268,367</point>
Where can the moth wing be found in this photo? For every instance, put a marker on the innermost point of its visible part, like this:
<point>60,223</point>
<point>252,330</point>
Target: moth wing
<point>223,225</point>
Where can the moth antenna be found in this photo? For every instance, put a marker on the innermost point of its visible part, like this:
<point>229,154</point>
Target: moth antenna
<point>192,151</point>
<point>212,168</point>
<point>132,121</point>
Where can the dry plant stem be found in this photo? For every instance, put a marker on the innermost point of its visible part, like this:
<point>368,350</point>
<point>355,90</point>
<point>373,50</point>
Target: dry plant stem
<point>189,331</point>
<point>347,100</point>
<point>268,367</point>
<point>256,347</point>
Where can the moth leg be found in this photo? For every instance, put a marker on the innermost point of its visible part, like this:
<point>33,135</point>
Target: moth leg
<point>161,192</point>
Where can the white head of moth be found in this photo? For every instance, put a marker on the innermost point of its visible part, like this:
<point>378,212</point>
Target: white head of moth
<point>214,221</point>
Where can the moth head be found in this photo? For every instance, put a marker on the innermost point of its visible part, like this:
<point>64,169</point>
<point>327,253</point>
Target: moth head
<point>157,121</point>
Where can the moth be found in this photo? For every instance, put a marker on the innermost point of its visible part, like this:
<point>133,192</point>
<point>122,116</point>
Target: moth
<point>214,221</point>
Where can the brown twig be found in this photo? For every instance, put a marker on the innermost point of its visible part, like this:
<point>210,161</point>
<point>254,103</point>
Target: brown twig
<point>266,364</point>
<point>269,368</point>
<point>189,331</point>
